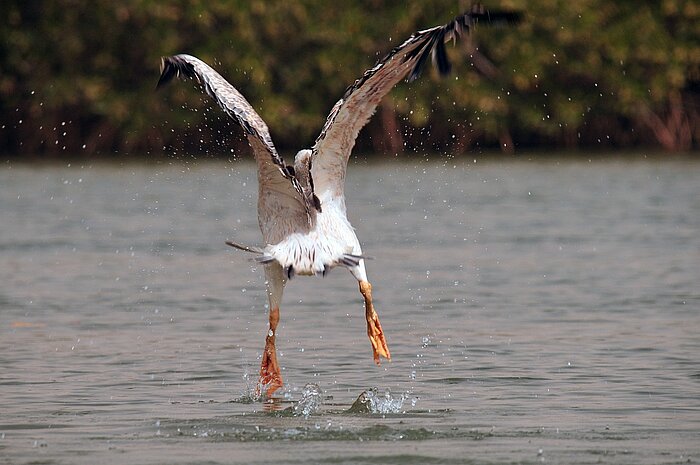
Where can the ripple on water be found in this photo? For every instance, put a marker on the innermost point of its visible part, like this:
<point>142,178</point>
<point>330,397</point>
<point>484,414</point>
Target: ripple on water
<point>328,428</point>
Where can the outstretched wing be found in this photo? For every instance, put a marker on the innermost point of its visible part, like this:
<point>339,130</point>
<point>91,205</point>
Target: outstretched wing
<point>275,177</point>
<point>350,114</point>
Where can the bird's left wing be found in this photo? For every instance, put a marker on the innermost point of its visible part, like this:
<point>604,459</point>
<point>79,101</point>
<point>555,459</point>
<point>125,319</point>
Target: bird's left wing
<point>350,114</point>
<point>275,177</point>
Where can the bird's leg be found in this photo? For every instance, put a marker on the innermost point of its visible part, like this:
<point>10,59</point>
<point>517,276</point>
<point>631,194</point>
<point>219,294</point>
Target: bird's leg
<point>270,374</point>
<point>374,328</point>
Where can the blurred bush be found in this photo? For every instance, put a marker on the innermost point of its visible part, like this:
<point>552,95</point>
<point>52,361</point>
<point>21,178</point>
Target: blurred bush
<point>79,77</point>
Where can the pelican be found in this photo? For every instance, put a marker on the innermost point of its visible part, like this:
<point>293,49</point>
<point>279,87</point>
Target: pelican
<point>301,207</point>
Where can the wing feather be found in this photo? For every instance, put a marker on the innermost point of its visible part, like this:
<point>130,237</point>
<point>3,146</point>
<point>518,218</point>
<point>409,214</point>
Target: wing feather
<point>276,178</point>
<point>352,112</point>
<point>226,96</point>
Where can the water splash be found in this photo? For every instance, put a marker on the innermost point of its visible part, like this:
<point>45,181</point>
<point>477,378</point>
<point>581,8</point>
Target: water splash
<point>310,401</point>
<point>370,401</point>
<point>251,392</point>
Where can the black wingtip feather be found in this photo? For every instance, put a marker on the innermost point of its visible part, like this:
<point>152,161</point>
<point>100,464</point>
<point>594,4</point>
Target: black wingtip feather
<point>172,67</point>
<point>443,64</point>
<point>424,54</point>
<point>167,72</point>
<point>498,17</point>
<point>461,24</point>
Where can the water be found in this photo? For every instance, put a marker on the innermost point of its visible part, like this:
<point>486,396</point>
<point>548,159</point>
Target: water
<point>536,311</point>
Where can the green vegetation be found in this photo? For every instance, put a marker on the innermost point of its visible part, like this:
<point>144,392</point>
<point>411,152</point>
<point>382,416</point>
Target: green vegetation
<point>79,77</point>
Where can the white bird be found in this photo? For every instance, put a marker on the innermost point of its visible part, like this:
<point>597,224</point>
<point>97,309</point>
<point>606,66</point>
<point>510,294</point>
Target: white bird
<point>301,208</point>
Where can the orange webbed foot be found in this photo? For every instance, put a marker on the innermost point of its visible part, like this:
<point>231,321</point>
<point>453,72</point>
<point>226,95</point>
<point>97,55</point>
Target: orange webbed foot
<point>374,328</point>
<point>376,337</point>
<point>270,373</point>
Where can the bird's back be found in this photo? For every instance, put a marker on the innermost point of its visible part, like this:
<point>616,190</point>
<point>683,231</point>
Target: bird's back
<point>310,249</point>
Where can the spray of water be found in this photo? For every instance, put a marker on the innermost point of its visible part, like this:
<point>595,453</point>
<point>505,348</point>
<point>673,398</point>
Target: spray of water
<point>310,401</point>
<point>370,401</point>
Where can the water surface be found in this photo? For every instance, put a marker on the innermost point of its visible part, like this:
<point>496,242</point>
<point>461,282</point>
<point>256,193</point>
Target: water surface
<point>536,311</point>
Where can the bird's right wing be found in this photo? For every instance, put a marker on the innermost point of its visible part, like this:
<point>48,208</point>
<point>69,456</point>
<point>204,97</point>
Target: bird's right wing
<point>275,177</point>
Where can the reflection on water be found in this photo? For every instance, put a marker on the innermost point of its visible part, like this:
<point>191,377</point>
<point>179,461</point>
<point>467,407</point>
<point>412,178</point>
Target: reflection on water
<point>535,310</point>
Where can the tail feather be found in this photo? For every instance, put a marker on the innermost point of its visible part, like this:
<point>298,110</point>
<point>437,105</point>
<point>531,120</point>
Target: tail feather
<point>264,257</point>
<point>246,248</point>
<point>352,260</point>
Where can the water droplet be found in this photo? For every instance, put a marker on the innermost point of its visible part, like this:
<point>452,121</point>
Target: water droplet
<point>310,401</point>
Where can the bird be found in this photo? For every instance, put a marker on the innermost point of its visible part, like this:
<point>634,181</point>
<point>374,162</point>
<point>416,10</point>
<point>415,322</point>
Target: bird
<point>301,207</point>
